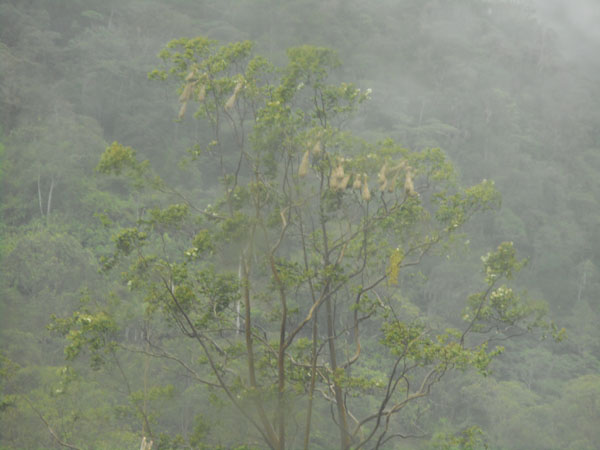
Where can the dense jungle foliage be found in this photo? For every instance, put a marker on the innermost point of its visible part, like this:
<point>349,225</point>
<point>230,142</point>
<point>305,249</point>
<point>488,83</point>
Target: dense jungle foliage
<point>247,224</point>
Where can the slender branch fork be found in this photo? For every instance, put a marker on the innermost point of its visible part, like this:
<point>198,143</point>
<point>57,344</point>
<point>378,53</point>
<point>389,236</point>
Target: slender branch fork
<point>53,433</point>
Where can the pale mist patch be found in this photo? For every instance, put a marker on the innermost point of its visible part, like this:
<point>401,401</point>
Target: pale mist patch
<point>576,23</point>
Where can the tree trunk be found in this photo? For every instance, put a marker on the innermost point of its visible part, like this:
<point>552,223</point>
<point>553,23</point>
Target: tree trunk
<point>40,196</point>
<point>339,397</point>
<point>49,205</point>
<point>270,433</point>
<point>313,376</point>
<point>237,302</point>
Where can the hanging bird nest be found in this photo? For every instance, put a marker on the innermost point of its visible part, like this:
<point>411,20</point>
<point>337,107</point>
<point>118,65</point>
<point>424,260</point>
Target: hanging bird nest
<point>187,92</point>
<point>201,93</point>
<point>182,111</point>
<point>365,193</point>
<point>317,148</point>
<point>336,178</point>
<point>303,169</point>
<point>231,102</point>
<point>382,177</point>
<point>409,187</point>
<point>190,76</point>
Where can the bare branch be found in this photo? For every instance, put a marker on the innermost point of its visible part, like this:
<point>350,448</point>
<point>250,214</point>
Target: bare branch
<point>58,440</point>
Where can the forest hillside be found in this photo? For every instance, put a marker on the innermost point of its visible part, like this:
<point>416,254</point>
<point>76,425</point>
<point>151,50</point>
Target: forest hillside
<point>247,224</point>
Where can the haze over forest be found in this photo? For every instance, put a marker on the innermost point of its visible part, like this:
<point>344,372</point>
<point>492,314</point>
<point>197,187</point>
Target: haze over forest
<point>302,224</point>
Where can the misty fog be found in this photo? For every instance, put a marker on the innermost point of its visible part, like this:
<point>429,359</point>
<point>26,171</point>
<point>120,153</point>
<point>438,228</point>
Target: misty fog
<point>262,224</point>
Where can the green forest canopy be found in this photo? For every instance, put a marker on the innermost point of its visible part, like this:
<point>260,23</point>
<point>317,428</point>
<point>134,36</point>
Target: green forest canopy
<point>302,276</point>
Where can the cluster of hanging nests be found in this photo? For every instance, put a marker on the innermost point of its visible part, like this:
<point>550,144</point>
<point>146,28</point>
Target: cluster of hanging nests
<point>193,83</point>
<point>339,180</point>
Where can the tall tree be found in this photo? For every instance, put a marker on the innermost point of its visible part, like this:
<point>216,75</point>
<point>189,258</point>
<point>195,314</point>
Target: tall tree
<point>292,267</point>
